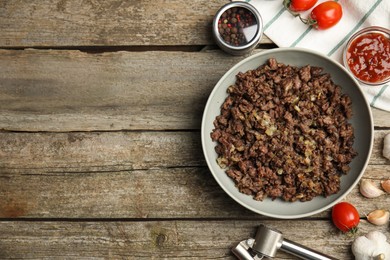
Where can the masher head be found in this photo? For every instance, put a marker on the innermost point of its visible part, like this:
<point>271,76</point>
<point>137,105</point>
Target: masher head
<point>267,241</point>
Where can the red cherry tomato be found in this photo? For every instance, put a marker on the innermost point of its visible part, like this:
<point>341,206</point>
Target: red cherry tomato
<point>326,14</point>
<point>299,5</point>
<point>345,217</point>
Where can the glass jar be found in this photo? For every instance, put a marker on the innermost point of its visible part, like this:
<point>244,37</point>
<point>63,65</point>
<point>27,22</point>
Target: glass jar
<point>367,55</point>
<point>237,28</point>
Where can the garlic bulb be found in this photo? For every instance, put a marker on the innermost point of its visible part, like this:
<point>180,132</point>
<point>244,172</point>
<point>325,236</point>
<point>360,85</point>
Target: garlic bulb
<point>369,190</point>
<point>386,185</point>
<point>378,217</point>
<point>373,245</point>
<point>386,146</point>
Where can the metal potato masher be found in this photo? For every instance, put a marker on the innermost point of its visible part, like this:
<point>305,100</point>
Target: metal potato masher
<point>268,241</point>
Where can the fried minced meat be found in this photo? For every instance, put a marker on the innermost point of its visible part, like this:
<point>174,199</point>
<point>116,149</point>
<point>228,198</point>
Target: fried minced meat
<point>283,132</point>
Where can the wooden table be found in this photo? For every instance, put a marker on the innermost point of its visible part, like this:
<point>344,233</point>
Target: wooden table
<point>101,104</point>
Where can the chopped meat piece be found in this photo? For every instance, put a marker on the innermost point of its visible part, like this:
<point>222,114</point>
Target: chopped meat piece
<point>304,73</point>
<point>273,64</point>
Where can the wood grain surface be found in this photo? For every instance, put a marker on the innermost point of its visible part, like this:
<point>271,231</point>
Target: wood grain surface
<point>100,150</point>
<point>126,175</point>
<point>184,239</point>
<point>163,193</point>
<point>111,141</point>
<point>92,140</point>
<point>63,23</point>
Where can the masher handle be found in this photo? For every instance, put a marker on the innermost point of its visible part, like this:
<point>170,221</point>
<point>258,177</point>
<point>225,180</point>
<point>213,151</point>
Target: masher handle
<point>303,251</point>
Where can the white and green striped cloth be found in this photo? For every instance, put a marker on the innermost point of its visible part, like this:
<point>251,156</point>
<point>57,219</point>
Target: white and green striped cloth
<point>287,31</point>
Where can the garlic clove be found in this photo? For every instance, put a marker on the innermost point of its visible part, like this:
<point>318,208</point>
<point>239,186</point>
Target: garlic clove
<point>378,217</point>
<point>386,185</point>
<point>369,190</point>
<point>380,257</point>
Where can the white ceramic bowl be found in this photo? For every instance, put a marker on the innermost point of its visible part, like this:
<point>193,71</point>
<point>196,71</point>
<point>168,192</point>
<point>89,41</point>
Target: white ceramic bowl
<point>361,120</point>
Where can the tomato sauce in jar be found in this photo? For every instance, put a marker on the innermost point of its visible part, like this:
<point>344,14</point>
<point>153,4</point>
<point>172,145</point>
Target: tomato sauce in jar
<point>368,57</point>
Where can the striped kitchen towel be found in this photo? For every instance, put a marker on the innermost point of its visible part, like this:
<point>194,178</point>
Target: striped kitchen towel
<point>286,30</point>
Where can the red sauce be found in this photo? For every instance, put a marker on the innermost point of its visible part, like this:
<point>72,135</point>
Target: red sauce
<point>368,57</point>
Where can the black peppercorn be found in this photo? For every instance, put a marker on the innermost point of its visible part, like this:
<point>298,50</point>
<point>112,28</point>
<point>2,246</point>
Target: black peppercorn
<point>231,24</point>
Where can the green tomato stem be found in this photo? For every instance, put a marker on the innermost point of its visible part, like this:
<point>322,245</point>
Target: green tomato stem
<point>309,21</point>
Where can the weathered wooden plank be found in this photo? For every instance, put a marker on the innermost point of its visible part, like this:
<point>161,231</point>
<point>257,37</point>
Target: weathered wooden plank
<point>159,193</point>
<point>113,151</point>
<point>93,175</point>
<point>113,23</point>
<point>161,239</point>
<point>104,151</point>
<point>61,90</point>
<point>47,90</point>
